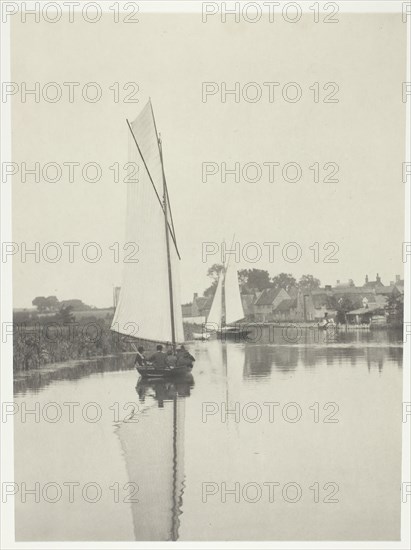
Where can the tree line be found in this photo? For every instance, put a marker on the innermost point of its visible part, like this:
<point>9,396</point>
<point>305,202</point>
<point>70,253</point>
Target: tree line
<point>259,279</point>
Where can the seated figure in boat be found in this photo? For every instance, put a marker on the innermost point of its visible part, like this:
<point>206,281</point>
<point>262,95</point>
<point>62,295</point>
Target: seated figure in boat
<point>159,358</point>
<point>171,359</point>
<point>324,323</point>
<point>140,358</point>
<point>184,358</point>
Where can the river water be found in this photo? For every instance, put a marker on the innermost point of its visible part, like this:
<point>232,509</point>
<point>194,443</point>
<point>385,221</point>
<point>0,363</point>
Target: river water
<point>295,436</point>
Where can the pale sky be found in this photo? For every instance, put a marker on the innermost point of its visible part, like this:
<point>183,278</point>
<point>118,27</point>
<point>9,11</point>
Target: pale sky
<point>169,57</point>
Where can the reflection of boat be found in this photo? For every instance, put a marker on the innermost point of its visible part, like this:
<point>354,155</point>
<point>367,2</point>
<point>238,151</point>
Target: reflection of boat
<point>148,306</point>
<point>227,308</point>
<point>165,390</point>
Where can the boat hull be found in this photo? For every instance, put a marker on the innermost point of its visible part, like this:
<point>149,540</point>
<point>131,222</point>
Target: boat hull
<point>329,326</point>
<point>233,333</point>
<point>201,335</point>
<point>148,371</point>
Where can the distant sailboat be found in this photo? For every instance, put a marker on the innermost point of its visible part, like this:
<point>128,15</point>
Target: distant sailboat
<point>149,305</point>
<point>227,307</point>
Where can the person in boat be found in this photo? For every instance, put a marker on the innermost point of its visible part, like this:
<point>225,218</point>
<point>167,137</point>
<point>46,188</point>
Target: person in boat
<point>171,359</point>
<point>140,358</point>
<point>158,359</point>
<point>184,358</point>
<point>325,321</point>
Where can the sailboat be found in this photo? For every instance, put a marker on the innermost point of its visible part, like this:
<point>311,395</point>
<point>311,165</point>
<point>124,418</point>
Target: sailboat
<point>149,305</point>
<point>227,307</point>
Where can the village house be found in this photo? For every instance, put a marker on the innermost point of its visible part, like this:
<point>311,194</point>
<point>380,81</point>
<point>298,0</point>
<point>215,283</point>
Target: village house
<point>373,284</point>
<point>197,310</point>
<point>366,314</point>
<point>288,310</point>
<point>248,305</point>
<point>267,302</point>
<point>369,302</point>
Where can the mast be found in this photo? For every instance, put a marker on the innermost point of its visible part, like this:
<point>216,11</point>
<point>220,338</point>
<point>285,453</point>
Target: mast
<point>223,305</point>
<point>170,277</point>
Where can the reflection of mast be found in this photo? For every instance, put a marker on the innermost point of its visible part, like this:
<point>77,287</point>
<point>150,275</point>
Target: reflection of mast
<point>224,352</point>
<point>177,499</point>
<point>157,468</point>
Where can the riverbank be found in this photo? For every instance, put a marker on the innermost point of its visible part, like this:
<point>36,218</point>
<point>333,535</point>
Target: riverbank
<point>48,343</point>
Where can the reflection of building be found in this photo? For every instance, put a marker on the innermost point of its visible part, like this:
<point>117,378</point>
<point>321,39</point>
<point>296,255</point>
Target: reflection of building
<point>153,447</point>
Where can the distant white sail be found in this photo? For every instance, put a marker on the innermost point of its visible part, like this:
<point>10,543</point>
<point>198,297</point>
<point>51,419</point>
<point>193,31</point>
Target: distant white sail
<point>216,307</point>
<point>143,309</point>
<point>233,306</point>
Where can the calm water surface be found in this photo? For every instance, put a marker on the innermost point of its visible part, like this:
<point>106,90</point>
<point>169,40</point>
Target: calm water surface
<point>296,437</point>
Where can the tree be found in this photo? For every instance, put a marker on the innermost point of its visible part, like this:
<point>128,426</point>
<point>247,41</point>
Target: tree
<point>40,302</point>
<point>283,280</point>
<point>65,314</point>
<point>343,305</point>
<point>46,304</point>
<point>307,283</point>
<point>395,309</point>
<point>52,303</point>
<point>254,278</point>
<point>213,272</point>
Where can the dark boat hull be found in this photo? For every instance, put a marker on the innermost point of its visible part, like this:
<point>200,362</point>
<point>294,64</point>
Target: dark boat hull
<point>149,371</point>
<point>233,334</point>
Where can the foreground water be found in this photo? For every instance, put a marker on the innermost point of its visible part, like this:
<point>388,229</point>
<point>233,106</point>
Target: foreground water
<point>294,437</point>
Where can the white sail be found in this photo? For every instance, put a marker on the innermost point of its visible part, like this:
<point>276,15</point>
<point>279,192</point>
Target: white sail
<point>145,132</point>
<point>216,307</point>
<point>143,309</point>
<point>233,305</point>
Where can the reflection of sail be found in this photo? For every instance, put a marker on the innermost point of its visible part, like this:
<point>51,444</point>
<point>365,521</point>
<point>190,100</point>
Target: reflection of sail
<point>153,448</point>
<point>233,305</point>
<point>216,308</point>
<point>143,309</point>
<point>235,359</point>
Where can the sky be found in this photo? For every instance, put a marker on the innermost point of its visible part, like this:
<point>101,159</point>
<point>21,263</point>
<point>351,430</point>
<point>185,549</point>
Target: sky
<point>169,57</point>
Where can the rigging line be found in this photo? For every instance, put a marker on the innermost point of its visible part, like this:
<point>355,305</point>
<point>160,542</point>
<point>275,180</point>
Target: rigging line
<point>169,208</point>
<point>152,183</point>
<point>160,149</point>
<point>166,197</point>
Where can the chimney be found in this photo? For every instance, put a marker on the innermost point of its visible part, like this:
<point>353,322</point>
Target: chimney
<point>378,278</point>
<point>397,279</point>
<point>338,281</point>
<point>351,282</point>
<point>195,296</point>
<point>366,279</point>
